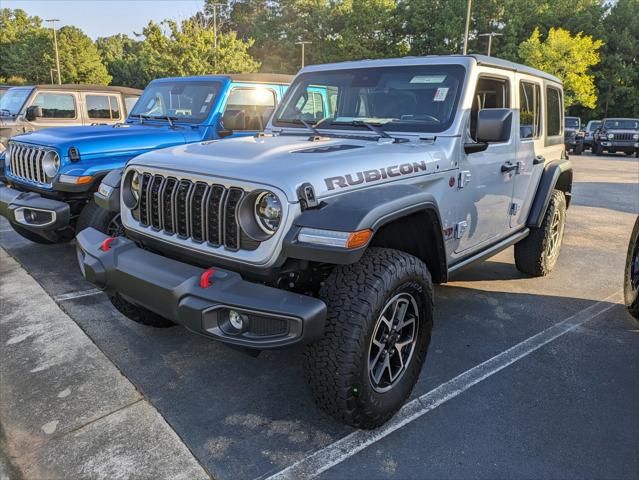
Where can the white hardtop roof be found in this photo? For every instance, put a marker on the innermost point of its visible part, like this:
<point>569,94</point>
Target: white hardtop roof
<point>465,60</point>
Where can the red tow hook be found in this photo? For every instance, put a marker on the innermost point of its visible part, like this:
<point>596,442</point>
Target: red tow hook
<point>205,278</point>
<point>106,244</point>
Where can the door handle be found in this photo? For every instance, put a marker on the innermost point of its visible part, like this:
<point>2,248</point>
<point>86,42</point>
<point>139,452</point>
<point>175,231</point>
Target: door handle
<point>509,167</point>
<point>539,159</point>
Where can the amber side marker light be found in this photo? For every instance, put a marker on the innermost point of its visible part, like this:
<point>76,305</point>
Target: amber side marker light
<point>76,180</point>
<point>331,238</point>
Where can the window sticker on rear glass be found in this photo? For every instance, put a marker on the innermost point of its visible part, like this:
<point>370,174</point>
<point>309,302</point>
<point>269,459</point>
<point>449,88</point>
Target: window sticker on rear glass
<point>428,79</point>
<point>440,94</point>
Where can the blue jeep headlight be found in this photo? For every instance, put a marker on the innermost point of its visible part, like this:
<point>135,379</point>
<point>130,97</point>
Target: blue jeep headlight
<point>51,164</point>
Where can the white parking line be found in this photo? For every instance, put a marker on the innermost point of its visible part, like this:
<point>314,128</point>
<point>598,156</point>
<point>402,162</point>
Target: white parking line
<point>357,441</point>
<point>79,294</point>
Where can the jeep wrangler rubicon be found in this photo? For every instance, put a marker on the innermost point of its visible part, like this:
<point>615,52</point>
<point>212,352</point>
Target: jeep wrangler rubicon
<point>331,227</point>
<point>51,175</point>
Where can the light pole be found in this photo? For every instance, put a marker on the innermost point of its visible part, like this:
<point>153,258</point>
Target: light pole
<point>302,43</point>
<point>467,27</point>
<point>490,38</point>
<point>55,45</point>
<point>215,5</point>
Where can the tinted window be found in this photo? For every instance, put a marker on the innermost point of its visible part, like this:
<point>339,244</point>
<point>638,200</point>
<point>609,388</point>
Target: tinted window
<point>102,106</point>
<point>529,110</point>
<point>412,99</point>
<point>55,105</point>
<point>184,101</point>
<point>312,106</point>
<point>256,104</point>
<point>553,109</point>
<point>623,124</point>
<point>490,93</point>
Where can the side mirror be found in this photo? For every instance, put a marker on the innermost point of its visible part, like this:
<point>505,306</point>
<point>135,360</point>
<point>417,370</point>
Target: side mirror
<point>33,112</point>
<point>232,120</point>
<point>494,125</point>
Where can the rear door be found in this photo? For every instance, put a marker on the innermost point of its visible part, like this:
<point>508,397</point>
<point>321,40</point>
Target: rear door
<point>102,108</point>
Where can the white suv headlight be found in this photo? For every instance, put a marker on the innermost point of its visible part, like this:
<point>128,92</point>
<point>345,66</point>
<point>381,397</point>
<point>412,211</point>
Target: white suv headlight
<point>610,136</point>
<point>268,212</point>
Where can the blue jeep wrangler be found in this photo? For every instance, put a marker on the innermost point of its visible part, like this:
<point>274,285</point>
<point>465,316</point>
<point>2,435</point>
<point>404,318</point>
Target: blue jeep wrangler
<point>50,175</point>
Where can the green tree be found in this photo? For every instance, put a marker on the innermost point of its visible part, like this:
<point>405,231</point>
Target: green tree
<point>79,58</point>
<point>188,50</point>
<point>569,58</point>
<point>121,56</point>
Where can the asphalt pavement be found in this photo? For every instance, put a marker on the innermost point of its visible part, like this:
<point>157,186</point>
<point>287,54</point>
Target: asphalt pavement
<point>526,377</point>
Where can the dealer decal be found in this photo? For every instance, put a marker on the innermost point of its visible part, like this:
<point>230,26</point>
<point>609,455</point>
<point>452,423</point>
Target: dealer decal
<point>367,176</point>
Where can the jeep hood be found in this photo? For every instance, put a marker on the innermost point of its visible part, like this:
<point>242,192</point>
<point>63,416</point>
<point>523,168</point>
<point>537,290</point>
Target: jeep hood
<point>106,140</point>
<point>331,165</point>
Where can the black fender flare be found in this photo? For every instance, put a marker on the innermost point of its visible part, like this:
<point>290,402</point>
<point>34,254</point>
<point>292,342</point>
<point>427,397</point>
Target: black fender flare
<point>556,174</point>
<point>110,202</point>
<point>370,208</point>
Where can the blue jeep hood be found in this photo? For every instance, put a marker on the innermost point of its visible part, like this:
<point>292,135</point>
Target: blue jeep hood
<point>109,140</point>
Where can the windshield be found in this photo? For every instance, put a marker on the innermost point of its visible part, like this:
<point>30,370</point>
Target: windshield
<point>570,122</point>
<point>623,124</point>
<point>13,99</point>
<point>181,101</point>
<point>592,126</point>
<point>405,99</point>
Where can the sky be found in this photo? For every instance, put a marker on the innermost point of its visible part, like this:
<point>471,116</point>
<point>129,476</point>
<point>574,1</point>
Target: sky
<point>101,18</point>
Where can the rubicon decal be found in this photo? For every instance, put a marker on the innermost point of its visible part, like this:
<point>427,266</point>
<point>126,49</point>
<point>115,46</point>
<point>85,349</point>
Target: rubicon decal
<point>375,175</point>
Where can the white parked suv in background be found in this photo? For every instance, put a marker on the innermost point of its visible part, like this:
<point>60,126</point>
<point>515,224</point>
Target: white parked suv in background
<point>374,180</point>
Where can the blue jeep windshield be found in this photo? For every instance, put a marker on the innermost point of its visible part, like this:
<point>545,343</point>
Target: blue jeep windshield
<point>403,99</point>
<point>622,124</point>
<point>182,101</point>
<point>13,99</point>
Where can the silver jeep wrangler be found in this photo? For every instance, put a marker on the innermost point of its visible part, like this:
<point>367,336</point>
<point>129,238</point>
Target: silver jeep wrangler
<point>374,180</point>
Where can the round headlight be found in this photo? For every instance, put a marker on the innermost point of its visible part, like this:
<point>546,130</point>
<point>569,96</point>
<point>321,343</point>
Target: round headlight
<point>135,185</point>
<point>268,212</point>
<point>610,136</point>
<point>635,136</point>
<point>51,164</point>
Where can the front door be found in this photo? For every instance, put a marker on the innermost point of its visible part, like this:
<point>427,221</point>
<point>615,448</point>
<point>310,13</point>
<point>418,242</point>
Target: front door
<point>486,190</point>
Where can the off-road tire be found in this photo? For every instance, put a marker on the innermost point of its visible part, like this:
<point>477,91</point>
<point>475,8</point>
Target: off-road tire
<point>139,314</point>
<point>597,150</point>
<point>579,149</point>
<point>631,293</point>
<point>336,366</point>
<point>33,237</point>
<point>533,254</point>
<point>92,215</point>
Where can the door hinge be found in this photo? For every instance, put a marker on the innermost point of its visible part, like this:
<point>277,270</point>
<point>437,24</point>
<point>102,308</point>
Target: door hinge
<point>460,229</point>
<point>514,208</point>
<point>463,178</point>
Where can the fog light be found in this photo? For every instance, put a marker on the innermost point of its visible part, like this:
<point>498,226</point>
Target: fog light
<point>236,319</point>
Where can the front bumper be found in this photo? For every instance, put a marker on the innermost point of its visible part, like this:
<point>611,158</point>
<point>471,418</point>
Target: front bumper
<point>172,289</point>
<point>620,145</point>
<point>42,216</point>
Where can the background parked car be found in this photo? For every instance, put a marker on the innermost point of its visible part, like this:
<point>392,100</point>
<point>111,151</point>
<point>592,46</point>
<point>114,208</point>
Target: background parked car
<point>29,108</point>
<point>573,136</point>
<point>617,135</point>
<point>589,132</point>
<point>52,174</point>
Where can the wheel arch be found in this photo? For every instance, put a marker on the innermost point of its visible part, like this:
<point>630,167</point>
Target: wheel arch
<point>556,175</point>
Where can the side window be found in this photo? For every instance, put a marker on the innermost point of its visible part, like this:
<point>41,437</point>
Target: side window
<point>129,102</point>
<point>102,106</point>
<point>529,110</point>
<point>553,109</point>
<point>490,93</point>
<point>55,105</point>
<point>257,105</point>
<point>313,107</point>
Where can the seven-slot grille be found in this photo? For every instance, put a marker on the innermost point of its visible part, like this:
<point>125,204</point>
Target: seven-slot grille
<point>25,162</point>
<point>623,136</point>
<point>193,210</point>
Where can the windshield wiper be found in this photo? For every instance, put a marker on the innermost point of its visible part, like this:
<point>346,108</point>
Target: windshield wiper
<point>167,117</point>
<point>299,121</point>
<point>140,117</point>
<point>5,110</point>
<point>374,127</point>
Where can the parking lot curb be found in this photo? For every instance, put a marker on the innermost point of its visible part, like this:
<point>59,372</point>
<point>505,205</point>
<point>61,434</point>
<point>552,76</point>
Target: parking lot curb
<point>65,409</point>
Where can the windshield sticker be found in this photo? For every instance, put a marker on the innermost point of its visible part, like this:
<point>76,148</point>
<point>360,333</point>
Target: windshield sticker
<point>440,94</point>
<point>209,97</point>
<point>428,79</point>
<point>203,109</point>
